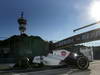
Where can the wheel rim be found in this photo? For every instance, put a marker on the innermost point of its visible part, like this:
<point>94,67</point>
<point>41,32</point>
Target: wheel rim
<point>82,63</point>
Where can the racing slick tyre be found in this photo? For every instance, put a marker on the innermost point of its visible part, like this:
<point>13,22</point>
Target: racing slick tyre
<point>82,63</point>
<point>22,63</point>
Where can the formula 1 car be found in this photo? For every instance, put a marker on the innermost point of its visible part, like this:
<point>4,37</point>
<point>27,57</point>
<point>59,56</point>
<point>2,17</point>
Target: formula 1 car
<point>63,57</point>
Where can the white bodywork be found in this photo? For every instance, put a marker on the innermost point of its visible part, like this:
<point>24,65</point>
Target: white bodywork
<point>52,58</point>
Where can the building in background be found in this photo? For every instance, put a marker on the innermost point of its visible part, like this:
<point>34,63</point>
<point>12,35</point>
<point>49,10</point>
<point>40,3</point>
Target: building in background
<point>22,45</point>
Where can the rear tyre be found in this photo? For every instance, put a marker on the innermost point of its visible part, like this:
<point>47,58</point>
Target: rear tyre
<point>22,63</point>
<point>82,63</point>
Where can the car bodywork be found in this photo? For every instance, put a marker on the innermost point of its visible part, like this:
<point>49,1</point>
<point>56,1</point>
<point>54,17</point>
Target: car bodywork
<point>63,57</point>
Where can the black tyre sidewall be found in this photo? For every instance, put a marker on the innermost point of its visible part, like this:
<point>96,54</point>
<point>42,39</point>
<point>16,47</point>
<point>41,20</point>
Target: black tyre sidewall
<point>79,65</point>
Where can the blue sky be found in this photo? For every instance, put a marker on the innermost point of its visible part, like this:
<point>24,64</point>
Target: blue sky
<point>50,19</point>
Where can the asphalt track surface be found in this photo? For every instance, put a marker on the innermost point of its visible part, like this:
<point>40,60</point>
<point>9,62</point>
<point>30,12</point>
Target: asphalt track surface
<point>94,69</point>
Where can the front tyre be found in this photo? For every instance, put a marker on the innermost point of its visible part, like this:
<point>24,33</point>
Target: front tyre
<point>82,63</point>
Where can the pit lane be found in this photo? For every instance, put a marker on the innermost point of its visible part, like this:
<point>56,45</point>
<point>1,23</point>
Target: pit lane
<point>94,69</point>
